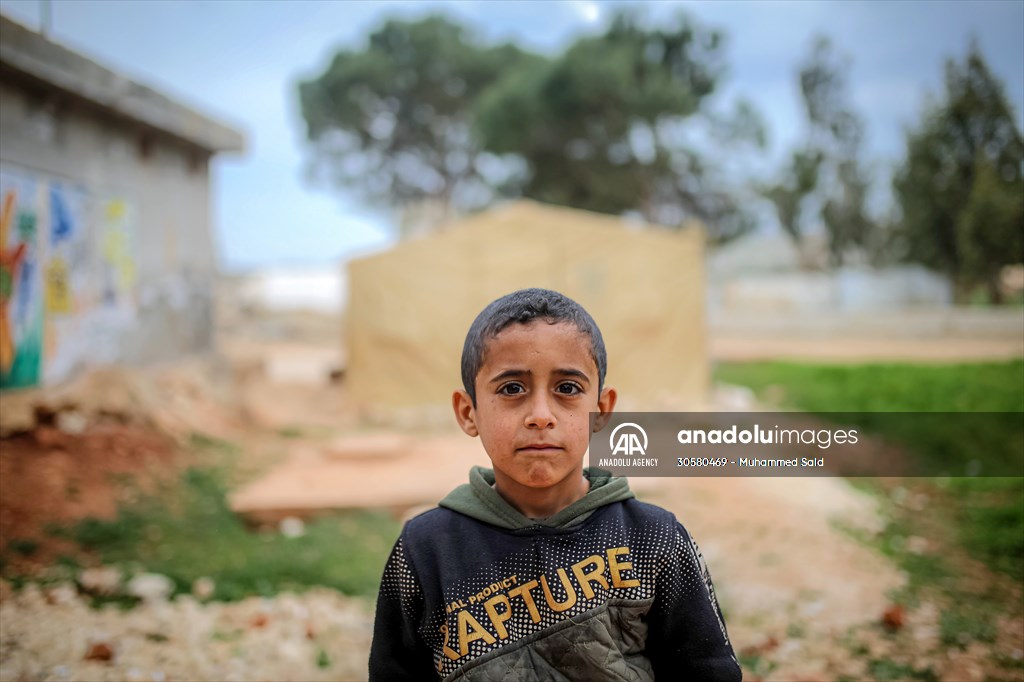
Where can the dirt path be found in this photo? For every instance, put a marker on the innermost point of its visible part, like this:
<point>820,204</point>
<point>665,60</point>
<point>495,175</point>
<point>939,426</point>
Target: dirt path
<point>791,585</point>
<point>746,348</point>
<point>935,335</point>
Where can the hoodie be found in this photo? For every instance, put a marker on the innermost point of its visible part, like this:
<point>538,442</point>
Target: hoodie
<point>479,500</point>
<point>608,588</point>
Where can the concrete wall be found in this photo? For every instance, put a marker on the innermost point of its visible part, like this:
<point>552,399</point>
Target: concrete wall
<point>846,289</point>
<point>767,273</point>
<point>118,259</point>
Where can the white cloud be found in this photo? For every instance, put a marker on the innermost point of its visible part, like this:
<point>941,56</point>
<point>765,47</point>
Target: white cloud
<point>588,11</point>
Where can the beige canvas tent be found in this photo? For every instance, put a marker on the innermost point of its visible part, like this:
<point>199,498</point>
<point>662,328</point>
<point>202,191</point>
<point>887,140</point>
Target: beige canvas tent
<point>410,307</point>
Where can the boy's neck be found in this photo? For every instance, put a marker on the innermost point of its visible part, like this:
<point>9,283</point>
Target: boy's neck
<point>541,503</point>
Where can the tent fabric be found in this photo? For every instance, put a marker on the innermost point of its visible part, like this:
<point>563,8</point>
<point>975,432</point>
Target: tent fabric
<point>410,307</point>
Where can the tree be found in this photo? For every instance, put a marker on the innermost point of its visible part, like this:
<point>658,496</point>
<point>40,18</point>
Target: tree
<point>605,126</point>
<point>960,189</point>
<point>990,230</point>
<point>393,120</point>
<point>800,179</point>
<point>824,182</point>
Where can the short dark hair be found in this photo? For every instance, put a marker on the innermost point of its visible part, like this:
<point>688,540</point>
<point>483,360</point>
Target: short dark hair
<point>522,307</point>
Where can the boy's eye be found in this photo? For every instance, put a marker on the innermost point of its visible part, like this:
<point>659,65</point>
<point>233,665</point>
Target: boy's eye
<point>569,388</point>
<point>511,388</point>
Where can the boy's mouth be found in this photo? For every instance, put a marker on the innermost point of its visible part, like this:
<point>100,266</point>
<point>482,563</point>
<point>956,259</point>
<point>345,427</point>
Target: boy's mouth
<point>539,447</point>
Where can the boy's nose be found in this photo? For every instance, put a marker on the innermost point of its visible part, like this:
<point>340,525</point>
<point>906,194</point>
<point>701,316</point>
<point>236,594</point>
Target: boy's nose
<point>540,415</point>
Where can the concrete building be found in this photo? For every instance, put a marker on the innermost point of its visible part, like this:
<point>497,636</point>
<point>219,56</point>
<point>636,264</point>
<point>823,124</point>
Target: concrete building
<point>106,251</point>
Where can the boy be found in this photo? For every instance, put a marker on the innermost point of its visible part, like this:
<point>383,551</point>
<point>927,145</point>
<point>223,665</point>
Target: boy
<point>541,569</point>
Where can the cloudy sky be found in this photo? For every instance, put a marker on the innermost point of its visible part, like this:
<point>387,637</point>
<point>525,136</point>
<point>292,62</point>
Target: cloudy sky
<point>240,61</point>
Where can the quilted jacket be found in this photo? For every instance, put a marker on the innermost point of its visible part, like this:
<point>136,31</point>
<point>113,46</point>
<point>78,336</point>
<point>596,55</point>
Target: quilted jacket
<point>608,589</point>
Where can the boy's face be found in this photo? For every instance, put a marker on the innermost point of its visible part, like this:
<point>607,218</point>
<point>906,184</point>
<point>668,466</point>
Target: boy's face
<point>534,395</point>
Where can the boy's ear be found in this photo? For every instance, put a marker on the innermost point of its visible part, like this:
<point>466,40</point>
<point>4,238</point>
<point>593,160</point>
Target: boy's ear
<point>605,405</point>
<point>465,413</point>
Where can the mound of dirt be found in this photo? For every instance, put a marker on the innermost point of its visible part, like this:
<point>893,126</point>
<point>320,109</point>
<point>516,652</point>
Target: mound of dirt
<point>67,451</point>
<point>196,395</point>
<point>50,476</point>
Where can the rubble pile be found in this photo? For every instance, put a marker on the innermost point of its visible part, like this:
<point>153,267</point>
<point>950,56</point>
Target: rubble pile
<point>53,634</point>
<point>178,400</point>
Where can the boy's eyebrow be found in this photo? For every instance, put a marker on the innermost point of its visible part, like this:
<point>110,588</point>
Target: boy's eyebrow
<point>509,373</point>
<point>512,373</point>
<point>574,373</point>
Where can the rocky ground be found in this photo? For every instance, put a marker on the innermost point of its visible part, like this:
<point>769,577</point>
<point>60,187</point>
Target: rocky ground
<point>53,634</point>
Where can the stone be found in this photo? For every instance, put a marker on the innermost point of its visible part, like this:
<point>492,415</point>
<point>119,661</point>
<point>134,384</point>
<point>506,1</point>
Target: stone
<point>203,588</point>
<point>105,580</point>
<point>100,651</point>
<point>292,527</point>
<point>150,587</point>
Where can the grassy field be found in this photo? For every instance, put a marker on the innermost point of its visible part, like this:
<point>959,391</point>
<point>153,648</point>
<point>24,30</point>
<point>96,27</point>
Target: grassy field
<point>184,529</point>
<point>972,387</point>
<point>988,512</point>
<point>187,531</point>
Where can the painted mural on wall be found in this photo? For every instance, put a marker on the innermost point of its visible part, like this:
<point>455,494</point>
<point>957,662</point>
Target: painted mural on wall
<point>69,295</point>
<point>67,277</point>
<point>21,299</point>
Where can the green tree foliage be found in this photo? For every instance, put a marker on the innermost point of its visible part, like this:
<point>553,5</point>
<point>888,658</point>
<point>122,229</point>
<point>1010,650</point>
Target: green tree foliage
<point>800,179</point>
<point>394,120</point>
<point>614,124</point>
<point>990,229</point>
<point>604,126</point>
<point>960,189</point>
<point>824,182</point>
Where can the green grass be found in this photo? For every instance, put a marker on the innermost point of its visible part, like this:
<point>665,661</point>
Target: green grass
<point>887,669</point>
<point>992,522</point>
<point>886,387</point>
<point>961,626</point>
<point>988,512</point>
<point>213,446</point>
<point>23,546</point>
<point>184,529</point>
<point>756,664</point>
<point>188,531</point>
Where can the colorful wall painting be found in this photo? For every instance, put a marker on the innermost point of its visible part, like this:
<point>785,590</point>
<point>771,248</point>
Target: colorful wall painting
<point>118,277</point>
<point>21,291</point>
<point>68,281</point>
<point>69,297</point>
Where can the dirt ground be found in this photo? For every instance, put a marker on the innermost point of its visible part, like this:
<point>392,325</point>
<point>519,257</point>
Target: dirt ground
<point>803,600</point>
<point>55,477</point>
<point>727,348</point>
